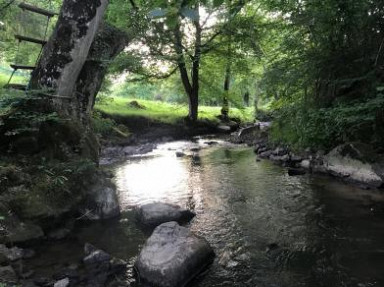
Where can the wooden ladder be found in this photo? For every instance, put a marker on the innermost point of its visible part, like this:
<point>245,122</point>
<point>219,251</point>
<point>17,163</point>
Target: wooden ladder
<point>21,38</point>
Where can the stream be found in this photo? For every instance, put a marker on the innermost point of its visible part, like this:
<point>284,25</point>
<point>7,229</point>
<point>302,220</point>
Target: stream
<point>267,228</point>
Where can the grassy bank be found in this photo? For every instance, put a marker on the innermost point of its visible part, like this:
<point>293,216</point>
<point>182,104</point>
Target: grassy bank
<point>166,112</point>
<point>18,78</point>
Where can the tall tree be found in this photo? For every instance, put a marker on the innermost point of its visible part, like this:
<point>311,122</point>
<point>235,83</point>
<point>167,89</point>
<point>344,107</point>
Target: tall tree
<point>67,78</point>
<point>177,35</point>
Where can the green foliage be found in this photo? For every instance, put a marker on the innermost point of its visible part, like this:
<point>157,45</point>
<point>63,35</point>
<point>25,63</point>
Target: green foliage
<point>59,178</point>
<point>101,125</point>
<point>303,125</point>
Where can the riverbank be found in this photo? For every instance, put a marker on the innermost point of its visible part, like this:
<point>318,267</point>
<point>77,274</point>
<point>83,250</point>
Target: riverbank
<point>352,162</point>
<point>143,134</point>
<point>43,201</point>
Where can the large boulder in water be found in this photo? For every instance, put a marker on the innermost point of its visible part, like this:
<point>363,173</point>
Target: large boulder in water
<point>100,266</point>
<point>355,162</point>
<point>172,256</point>
<point>102,201</point>
<point>154,214</point>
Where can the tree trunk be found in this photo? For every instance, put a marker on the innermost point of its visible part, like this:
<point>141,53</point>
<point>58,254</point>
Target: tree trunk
<point>194,97</point>
<point>65,54</point>
<point>191,85</point>
<point>66,80</point>
<point>227,81</point>
<point>246,99</point>
<point>109,42</point>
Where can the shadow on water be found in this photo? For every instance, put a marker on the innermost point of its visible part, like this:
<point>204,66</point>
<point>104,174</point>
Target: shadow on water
<point>267,229</point>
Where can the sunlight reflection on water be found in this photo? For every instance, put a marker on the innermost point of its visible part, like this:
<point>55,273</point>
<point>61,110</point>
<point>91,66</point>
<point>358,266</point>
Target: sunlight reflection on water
<point>159,179</point>
<point>161,176</point>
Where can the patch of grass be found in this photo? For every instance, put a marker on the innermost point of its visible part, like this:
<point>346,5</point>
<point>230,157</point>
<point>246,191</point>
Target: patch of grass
<point>18,78</point>
<point>170,113</point>
<point>8,96</point>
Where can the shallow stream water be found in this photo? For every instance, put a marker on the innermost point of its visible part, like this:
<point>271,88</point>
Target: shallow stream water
<point>267,229</point>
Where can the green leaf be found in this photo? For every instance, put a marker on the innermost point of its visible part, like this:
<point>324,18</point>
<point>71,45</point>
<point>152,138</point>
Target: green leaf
<point>380,89</point>
<point>158,13</point>
<point>217,3</point>
<point>190,13</point>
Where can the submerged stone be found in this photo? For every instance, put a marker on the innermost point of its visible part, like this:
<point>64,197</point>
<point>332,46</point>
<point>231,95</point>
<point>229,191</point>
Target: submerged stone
<point>173,256</point>
<point>154,214</point>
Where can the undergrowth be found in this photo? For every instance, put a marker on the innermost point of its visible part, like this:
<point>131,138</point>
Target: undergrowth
<point>301,125</point>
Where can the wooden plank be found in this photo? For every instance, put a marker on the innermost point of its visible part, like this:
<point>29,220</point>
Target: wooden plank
<point>37,10</point>
<point>29,39</point>
<point>15,87</point>
<point>22,67</point>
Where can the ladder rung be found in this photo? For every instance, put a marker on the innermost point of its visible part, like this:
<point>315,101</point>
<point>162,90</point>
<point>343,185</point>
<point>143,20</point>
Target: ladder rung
<point>15,87</point>
<point>22,67</point>
<point>32,40</point>
<point>37,10</point>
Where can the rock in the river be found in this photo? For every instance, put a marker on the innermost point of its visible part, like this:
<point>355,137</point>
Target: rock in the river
<point>296,171</point>
<point>62,283</point>
<point>172,256</point>
<point>306,164</point>
<point>154,214</point>
<point>102,201</point>
<point>265,154</point>
<point>354,162</point>
<point>223,128</point>
<point>180,154</point>
<point>100,265</point>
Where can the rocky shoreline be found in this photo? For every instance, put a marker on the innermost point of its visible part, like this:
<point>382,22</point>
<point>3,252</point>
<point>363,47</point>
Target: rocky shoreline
<point>352,162</point>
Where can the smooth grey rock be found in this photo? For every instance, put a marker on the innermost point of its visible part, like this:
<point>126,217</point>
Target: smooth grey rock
<point>265,154</point>
<point>154,214</point>
<point>306,164</point>
<point>172,256</point>
<point>279,151</point>
<point>62,283</point>
<point>353,162</point>
<point>224,128</point>
<point>100,266</point>
<point>279,158</point>
<point>102,201</point>
<point>96,257</point>
<point>89,248</point>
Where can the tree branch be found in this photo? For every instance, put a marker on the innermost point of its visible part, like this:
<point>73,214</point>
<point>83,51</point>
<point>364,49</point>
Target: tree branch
<point>6,5</point>
<point>147,76</point>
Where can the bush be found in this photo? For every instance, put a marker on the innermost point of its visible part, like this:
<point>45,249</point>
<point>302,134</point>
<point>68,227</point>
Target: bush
<point>102,126</point>
<point>301,125</point>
